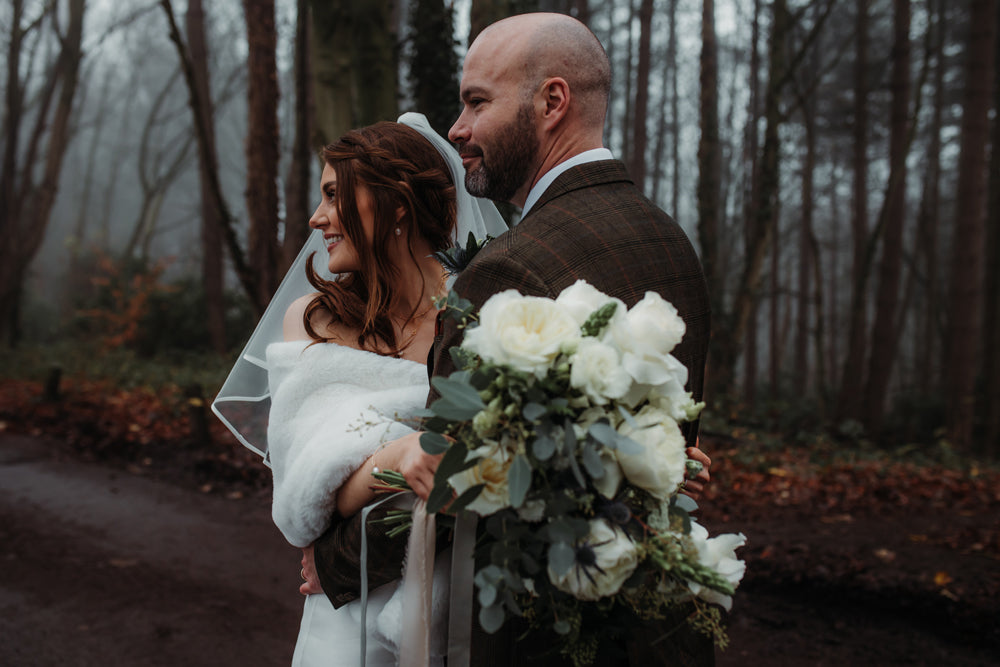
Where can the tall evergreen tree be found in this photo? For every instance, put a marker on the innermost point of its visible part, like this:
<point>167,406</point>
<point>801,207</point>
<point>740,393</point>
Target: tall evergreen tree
<point>434,63</point>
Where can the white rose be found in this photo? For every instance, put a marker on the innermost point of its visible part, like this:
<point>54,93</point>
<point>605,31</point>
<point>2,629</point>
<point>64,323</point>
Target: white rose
<point>606,558</point>
<point>596,370</point>
<point>492,471</point>
<point>659,468</point>
<point>672,398</point>
<point>646,336</point>
<point>581,299</point>
<point>524,332</point>
<point>719,554</point>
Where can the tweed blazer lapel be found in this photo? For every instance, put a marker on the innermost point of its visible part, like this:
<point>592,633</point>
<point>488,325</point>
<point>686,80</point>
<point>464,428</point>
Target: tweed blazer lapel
<point>581,177</point>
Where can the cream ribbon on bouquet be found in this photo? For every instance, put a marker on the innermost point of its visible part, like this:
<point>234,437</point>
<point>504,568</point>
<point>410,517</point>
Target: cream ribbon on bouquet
<point>418,588</point>
<point>418,583</point>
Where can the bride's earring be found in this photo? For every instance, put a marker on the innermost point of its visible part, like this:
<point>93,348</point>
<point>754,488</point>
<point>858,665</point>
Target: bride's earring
<point>398,231</point>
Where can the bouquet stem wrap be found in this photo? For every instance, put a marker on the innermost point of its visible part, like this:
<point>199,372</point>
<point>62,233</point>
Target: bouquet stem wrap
<point>418,583</point>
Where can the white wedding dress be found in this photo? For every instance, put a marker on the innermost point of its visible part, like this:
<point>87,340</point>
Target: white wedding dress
<point>331,408</point>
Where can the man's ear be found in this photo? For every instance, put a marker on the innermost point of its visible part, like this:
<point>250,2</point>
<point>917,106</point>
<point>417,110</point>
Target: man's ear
<point>555,96</point>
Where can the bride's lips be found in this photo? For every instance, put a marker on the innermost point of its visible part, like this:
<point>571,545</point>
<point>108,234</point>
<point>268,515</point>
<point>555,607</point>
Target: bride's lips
<point>332,241</point>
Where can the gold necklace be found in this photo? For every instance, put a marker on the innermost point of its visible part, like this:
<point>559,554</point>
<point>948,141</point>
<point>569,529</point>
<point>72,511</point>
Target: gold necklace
<point>418,318</point>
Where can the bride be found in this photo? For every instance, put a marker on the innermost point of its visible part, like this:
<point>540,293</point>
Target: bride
<point>349,366</point>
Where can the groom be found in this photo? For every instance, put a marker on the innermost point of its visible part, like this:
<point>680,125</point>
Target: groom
<point>535,93</point>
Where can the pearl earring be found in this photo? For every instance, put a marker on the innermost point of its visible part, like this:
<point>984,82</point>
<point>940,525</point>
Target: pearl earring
<point>398,231</point>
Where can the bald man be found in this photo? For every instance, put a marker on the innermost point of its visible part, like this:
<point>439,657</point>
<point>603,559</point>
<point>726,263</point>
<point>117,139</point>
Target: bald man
<point>534,93</point>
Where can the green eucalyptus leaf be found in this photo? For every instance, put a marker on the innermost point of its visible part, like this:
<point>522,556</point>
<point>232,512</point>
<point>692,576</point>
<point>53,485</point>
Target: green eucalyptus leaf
<point>452,462</point>
<point>627,445</point>
<point>459,400</point>
<point>571,442</point>
<point>519,480</point>
<point>439,497</point>
<point>434,443</point>
<point>466,497</point>
<point>603,433</point>
<point>543,448</point>
<point>561,558</point>
<point>491,618</point>
<point>487,595</point>
<point>533,411</point>
<point>686,503</point>
<point>592,461</point>
<point>561,530</point>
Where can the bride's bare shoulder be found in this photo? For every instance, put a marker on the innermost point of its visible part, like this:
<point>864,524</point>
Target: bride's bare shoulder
<point>294,328</point>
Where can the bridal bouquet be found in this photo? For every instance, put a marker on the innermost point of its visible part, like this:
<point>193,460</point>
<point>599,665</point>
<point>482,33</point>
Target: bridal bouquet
<point>561,430</point>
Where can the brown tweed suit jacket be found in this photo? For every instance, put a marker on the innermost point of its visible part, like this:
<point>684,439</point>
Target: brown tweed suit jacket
<point>593,224</point>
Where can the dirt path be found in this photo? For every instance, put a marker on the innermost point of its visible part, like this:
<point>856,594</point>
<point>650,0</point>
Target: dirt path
<point>99,566</point>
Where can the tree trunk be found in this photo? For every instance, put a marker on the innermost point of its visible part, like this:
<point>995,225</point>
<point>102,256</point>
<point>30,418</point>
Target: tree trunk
<point>752,147</point>
<point>262,146</point>
<point>965,293</point>
<point>628,78</point>
<point>484,12</point>
<point>675,128</point>
<point>83,213</point>
<point>709,162</point>
<point>208,169</point>
<point>299,180</point>
<point>991,320</point>
<point>727,337</point>
<point>852,377</point>
<point>666,118</point>
<point>885,337</point>
<point>928,222</point>
<point>807,259</point>
<point>637,166</point>
<point>26,204</point>
<point>353,58</point>
<point>154,181</point>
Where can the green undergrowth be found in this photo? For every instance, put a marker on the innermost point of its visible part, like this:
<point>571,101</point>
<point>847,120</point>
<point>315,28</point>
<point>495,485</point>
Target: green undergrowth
<point>119,367</point>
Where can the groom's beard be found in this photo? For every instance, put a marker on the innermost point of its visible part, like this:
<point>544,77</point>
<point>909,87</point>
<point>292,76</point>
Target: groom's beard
<point>508,168</point>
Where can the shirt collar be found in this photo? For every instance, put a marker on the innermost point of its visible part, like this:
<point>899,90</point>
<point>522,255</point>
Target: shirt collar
<point>593,155</point>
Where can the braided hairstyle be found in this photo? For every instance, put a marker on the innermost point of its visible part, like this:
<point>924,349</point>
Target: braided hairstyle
<point>400,169</point>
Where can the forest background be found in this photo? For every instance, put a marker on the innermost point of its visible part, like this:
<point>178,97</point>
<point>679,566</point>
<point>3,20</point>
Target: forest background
<point>830,159</point>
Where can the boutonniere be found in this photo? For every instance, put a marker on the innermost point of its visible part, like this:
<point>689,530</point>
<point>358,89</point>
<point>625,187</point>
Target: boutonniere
<point>455,259</point>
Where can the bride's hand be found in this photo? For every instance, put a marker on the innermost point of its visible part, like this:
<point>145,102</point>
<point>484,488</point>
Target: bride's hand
<point>308,573</point>
<point>416,465</point>
<point>695,485</point>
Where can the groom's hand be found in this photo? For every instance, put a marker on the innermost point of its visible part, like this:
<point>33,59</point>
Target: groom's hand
<point>308,573</point>
<point>416,465</point>
<point>694,486</point>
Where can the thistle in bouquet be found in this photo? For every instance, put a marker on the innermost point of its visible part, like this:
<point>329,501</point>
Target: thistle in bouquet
<point>561,430</point>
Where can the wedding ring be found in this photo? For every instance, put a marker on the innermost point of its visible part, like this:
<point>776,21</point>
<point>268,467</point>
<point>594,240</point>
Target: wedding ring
<point>302,573</point>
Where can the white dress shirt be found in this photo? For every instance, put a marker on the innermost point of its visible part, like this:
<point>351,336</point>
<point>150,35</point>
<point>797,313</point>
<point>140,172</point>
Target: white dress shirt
<point>593,155</point>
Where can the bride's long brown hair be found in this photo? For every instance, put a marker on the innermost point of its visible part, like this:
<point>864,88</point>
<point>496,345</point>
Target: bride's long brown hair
<point>401,170</point>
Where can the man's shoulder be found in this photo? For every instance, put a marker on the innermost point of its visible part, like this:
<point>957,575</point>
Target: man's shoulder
<point>583,177</point>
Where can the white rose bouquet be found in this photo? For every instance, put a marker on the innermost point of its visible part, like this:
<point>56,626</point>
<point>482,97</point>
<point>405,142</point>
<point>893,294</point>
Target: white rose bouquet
<point>561,429</point>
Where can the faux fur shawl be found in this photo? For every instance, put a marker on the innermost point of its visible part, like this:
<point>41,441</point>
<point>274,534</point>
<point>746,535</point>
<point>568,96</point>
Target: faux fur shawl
<point>331,408</point>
